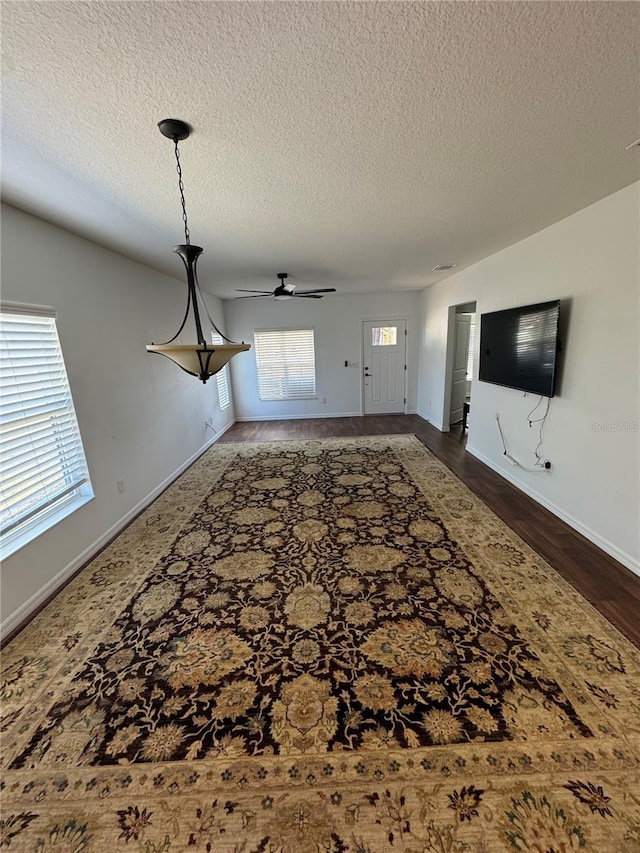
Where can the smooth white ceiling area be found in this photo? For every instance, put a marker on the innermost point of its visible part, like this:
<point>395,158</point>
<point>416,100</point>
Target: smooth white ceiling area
<point>354,145</point>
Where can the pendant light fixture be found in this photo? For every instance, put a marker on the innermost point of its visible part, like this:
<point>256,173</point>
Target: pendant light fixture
<point>201,359</point>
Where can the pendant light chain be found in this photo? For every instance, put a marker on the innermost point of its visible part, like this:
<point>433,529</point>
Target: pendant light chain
<point>202,359</point>
<point>188,242</point>
<point>187,234</point>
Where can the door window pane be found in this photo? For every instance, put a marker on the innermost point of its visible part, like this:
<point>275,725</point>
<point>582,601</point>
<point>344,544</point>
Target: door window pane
<point>384,336</point>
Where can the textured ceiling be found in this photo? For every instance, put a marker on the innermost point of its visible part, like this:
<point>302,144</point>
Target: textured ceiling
<point>355,145</point>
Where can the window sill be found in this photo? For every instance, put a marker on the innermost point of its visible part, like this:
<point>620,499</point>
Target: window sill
<point>285,399</point>
<point>38,525</point>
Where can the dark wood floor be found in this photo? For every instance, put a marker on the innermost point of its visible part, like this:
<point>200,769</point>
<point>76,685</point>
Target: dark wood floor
<point>608,585</point>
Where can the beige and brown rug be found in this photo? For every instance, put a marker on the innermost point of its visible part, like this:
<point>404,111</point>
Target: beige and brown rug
<point>320,647</point>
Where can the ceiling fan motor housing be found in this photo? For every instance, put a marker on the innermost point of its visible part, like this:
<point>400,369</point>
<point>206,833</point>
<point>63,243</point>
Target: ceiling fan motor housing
<point>287,291</point>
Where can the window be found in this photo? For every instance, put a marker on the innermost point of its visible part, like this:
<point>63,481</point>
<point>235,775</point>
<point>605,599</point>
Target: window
<point>384,336</point>
<point>286,364</point>
<point>43,467</point>
<point>222,378</point>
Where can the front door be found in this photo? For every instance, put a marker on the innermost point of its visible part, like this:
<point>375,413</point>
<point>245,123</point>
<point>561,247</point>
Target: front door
<point>384,361</point>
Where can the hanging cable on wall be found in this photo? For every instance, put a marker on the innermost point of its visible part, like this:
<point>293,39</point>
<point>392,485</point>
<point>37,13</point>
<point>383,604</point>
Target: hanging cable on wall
<point>541,464</point>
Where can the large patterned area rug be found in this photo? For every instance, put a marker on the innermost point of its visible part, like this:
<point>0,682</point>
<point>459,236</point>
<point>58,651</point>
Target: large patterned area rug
<point>320,647</point>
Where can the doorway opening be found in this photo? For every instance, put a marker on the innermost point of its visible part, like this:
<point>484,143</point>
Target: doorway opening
<point>461,344</point>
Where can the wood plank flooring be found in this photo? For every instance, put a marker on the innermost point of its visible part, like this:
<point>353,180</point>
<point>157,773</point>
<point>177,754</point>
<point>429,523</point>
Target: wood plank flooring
<point>608,585</point>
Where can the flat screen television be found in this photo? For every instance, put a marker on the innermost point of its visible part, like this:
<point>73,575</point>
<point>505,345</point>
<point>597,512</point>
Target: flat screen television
<point>519,347</point>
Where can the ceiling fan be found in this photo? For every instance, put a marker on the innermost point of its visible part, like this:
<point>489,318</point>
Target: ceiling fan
<point>286,291</point>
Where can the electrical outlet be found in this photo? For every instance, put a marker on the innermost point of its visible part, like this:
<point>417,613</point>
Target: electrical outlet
<point>120,485</point>
<point>323,399</point>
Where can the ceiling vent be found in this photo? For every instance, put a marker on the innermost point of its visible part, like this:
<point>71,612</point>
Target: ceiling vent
<point>441,267</point>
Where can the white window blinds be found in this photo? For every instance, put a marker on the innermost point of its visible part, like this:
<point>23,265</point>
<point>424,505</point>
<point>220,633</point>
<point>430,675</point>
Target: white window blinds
<point>222,378</point>
<point>286,364</point>
<point>472,349</point>
<point>42,460</point>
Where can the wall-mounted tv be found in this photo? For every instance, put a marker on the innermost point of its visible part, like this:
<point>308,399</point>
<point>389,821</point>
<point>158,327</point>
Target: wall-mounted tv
<point>519,347</point>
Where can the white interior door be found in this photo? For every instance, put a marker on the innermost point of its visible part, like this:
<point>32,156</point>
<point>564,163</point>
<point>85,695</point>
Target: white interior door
<point>384,361</point>
<point>460,358</point>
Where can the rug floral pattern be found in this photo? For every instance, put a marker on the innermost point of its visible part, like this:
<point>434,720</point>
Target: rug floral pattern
<point>324,646</point>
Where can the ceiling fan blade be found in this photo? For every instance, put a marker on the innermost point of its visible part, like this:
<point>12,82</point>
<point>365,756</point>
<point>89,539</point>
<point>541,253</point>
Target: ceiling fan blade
<point>244,290</point>
<point>306,296</point>
<point>254,296</point>
<point>320,290</point>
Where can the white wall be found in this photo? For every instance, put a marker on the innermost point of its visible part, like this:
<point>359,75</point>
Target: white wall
<point>140,416</point>
<point>591,262</point>
<point>337,322</point>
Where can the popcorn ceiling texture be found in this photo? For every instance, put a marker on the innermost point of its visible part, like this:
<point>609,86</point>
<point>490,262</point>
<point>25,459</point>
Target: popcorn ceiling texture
<point>354,143</point>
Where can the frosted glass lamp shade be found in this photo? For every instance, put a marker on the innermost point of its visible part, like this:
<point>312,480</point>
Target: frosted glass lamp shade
<point>199,360</point>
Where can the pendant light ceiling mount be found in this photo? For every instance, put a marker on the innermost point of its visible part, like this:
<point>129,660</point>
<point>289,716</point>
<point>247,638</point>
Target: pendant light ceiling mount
<point>174,129</point>
<point>201,359</point>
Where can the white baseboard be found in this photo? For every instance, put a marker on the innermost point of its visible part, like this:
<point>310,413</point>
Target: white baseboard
<point>299,417</point>
<point>309,417</point>
<point>436,424</point>
<point>38,598</point>
<point>602,543</point>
